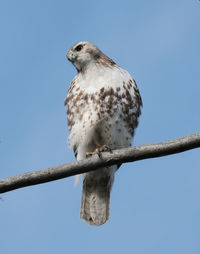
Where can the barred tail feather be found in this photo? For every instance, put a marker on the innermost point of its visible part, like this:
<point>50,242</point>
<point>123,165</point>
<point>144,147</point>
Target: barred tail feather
<point>95,204</point>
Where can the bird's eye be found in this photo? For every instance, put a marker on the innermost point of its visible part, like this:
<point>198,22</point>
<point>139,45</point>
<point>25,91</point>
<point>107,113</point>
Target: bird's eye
<point>79,47</point>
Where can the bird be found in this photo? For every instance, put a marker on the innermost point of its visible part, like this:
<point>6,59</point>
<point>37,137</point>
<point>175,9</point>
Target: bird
<point>103,109</point>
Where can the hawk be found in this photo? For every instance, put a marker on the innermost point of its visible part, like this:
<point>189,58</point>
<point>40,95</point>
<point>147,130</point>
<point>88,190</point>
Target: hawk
<point>103,107</point>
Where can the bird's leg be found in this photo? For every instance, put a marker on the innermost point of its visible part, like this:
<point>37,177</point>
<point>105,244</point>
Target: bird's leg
<point>99,150</point>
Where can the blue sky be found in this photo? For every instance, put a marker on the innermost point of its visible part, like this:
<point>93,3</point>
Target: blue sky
<point>155,204</point>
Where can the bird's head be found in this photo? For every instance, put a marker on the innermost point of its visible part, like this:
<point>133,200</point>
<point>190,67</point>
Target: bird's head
<point>85,54</point>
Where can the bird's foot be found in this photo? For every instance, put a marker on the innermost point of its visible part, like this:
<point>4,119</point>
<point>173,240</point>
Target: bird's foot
<point>99,150</point>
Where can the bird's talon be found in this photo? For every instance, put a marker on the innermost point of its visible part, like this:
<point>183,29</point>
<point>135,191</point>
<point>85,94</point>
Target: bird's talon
<point>105,148</point>
<point>109,149</point>
<point>99,155</point>
<point>99,150</point>
<point>89,154</point>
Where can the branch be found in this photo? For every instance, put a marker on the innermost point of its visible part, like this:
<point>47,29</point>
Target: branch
<point>93,163</point>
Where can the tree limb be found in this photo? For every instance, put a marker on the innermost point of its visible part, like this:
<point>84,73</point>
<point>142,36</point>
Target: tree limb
<point>116,157</point>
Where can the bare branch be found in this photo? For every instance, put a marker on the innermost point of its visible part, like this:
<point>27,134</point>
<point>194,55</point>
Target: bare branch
<point>116,157</point>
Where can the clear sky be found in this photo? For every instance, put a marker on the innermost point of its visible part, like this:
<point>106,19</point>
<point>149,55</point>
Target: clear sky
<point>155,204</point>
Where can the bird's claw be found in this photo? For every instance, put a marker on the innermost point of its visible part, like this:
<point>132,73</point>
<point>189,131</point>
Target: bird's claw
<point>99,150</point>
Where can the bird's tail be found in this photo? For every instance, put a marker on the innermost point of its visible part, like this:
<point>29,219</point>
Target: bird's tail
<point>95,204</point>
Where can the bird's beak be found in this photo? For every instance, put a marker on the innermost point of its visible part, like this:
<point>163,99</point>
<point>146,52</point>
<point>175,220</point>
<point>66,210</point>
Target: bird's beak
<point>70,56</point>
